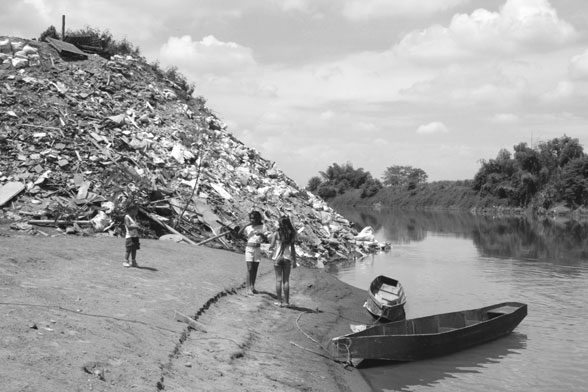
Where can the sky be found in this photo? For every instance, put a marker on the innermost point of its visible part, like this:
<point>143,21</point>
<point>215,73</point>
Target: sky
<point>438,85</point>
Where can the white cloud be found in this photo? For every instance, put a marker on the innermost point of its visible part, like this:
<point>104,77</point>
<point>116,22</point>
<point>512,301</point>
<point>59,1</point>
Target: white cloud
<point>463,86</point>
<point>268,90</point>
<point>361,10</point>
<point>327,115</point>
<point>273,118</point>
<point>434,44</point>
<point>519,26</point>
<point>432,127</point>
<point>505,118</point>
<point>311,8</point>
<point>456,149</point>
<point>365,126</point>
<point>208,55</point>
<point>563,91</point>
<point>579,66</point>
<point>293,5</point>
<point>41,6</point>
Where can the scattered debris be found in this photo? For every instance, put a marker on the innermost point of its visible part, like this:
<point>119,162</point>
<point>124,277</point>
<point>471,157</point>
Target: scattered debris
<point>79,139</point>
<point>96,369</point>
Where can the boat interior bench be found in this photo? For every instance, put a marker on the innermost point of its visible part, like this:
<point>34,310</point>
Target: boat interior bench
<point>388,293</point>
<point>506,309</point>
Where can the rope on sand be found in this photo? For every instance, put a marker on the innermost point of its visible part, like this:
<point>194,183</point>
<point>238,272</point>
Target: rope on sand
<point>311,351</point>
<point>352,320</point>
<point>347,363</point>
<point>86,314</point>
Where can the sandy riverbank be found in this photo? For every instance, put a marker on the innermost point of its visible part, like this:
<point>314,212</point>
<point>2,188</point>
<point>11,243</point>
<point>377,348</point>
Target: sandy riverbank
<point>74,319</point>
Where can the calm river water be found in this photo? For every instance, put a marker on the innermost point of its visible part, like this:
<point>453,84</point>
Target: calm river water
<point>449,262</point>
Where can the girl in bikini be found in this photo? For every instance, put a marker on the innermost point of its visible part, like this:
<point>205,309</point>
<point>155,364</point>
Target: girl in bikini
<point>284,257</point>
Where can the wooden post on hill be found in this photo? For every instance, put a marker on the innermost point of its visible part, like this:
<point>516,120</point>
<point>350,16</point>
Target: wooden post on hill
<point>62,27</point>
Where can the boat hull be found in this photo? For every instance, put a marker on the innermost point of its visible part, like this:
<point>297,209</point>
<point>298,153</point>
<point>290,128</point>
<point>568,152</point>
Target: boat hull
<point>386,299</point>
<point>385,313</point>
<point>431,336</point>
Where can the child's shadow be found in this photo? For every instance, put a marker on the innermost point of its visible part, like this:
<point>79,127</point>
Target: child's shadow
<point>293,307</point>
<point>272,295</point>
<point>147,268</point>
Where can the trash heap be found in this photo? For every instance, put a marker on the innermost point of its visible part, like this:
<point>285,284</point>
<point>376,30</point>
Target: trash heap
<point>81,138</point>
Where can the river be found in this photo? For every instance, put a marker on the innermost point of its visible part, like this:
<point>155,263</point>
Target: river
<point>456,261</point>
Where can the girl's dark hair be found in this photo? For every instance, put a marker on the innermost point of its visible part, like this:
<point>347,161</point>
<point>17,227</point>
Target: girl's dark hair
<point>255,215</point>
<point>286,230</point>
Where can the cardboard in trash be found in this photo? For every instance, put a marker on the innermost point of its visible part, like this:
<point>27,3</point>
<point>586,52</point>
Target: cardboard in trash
<point>10,190</point>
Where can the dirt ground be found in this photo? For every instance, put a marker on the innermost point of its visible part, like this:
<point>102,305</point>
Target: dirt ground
<point>73,319</point>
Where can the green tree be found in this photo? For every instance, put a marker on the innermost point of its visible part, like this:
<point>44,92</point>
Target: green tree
<point>51,32</point>
<point>313,184</point>
<point>370,188</point>
<point>532,175</point>
<point>555,155</point>
<point>403,176</point>
<point>338,179</point>
<point>573,184</point>
<point>344,177</point>
<point>557,152</point>
<point>326,191</point>
<point>527,159</point>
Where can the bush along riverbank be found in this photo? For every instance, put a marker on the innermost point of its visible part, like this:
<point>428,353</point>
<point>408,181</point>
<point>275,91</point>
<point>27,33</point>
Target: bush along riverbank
<point>444,195</point>
<point>448,196</point>
<point>548,178</point>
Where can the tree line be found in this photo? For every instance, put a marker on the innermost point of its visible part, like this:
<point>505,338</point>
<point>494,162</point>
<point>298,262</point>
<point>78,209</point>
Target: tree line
<point>338,179</point>
<point>550,173</point>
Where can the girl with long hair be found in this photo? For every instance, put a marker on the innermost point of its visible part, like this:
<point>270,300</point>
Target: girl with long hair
<point>284,257</point>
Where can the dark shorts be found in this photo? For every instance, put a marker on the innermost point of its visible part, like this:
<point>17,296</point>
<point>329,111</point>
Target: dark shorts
<point>132,243</point>
<point>282,262</point>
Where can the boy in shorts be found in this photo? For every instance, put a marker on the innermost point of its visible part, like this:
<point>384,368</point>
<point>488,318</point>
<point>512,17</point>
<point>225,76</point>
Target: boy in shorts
<point>131,236</point>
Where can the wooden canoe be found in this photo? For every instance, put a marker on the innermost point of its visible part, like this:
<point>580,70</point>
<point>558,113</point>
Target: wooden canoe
<point>386,299</point>
<point>430,336</point>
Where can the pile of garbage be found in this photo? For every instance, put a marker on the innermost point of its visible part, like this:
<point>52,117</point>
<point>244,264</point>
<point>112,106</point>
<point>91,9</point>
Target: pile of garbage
<point>82,137</point>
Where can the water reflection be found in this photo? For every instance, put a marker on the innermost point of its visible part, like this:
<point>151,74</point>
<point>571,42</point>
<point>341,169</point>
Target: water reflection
<point>557,240</point>
<point>452,261</point>
<point>533,239</point>
<point>405,376</point>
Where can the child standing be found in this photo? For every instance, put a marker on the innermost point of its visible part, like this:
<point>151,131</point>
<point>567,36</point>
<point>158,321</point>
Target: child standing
<point>255,232</point>
<point>131,236</point>
<point>284,257</point>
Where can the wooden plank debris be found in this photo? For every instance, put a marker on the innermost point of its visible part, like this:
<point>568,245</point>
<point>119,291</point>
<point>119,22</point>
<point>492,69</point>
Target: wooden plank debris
<point>214,237</point>
<point>190,321</point>
<point>66,49</point>
<point>57,222</point>
<point>171,229</point>
<point>88,44</point>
